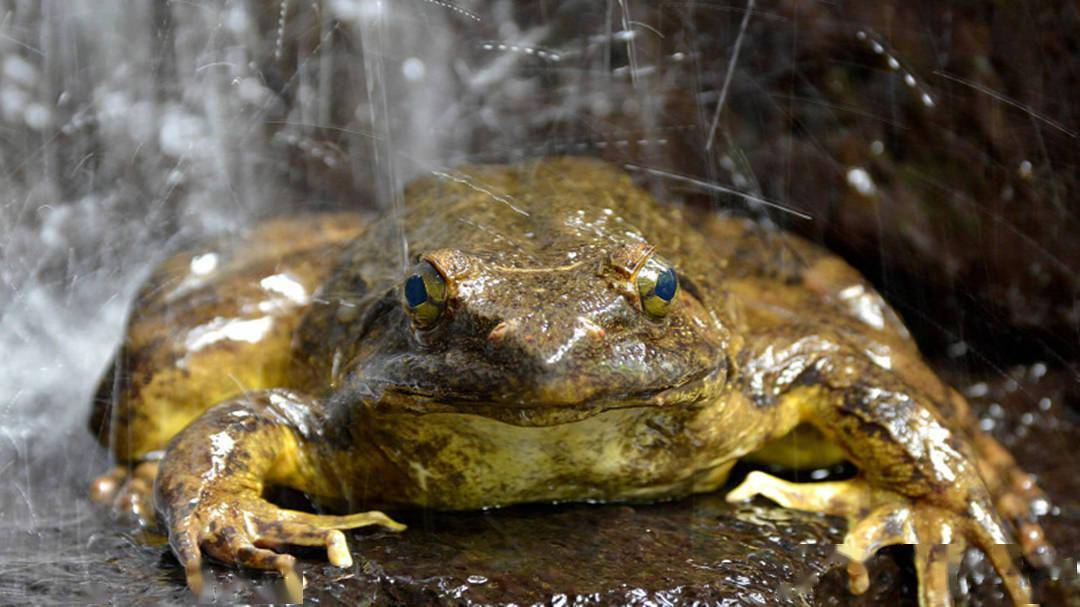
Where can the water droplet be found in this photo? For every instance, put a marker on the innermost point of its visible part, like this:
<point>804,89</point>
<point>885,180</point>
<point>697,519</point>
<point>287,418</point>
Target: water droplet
<point>859,179</point>
<point>204,264</point>
<point>413,69</point>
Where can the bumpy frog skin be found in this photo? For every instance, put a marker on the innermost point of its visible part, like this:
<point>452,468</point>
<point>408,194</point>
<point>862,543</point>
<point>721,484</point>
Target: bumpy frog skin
<point>535,353</point>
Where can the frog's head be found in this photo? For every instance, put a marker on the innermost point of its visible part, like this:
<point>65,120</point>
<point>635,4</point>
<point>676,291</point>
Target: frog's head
<point>540,327</point>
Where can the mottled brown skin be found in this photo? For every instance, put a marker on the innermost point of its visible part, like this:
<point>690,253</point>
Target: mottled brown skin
<point>543,379</point>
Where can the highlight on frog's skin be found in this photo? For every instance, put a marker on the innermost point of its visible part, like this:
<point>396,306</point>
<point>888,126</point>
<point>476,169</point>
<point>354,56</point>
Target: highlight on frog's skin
<point>424,293</point>
<point>658,286</point>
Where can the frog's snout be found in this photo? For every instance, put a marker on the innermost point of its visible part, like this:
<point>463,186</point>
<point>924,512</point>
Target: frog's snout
<point>545,343</point>
<point>588,329</point>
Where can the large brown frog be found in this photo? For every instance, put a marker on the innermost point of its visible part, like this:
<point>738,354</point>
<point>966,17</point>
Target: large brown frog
<point>555,334</point>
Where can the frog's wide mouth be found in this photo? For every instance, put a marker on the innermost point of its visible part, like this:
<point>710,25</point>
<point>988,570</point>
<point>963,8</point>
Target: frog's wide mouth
<point>692,390</point>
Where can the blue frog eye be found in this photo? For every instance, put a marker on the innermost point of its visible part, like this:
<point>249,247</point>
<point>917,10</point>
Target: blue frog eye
<point>658,286</point>
<point>415,291</point>
<point>425,294</point>
<point>667,284</point>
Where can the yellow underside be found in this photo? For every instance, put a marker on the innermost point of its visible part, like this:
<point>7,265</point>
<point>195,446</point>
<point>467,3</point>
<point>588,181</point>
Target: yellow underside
<point>804,448</point>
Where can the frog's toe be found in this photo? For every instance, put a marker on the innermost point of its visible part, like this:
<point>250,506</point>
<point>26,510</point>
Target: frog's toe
<point>884,526</point>
<point>939,536</point>
<point>303,529</point>
<point>933,531</point>
<point>987,535</point>
<point>1017,498</point>
<point>223,535</point>
<point>105,487</point>
<point>878,518</point>
<point>932,566</point>
<point>870,528</point>
<point>250,556</point>
<point>129,493</point>
<point>225,532</point>
<point>184,539</point>
<point>242,532</point>
<point>840,498</point>
<point>1018,509</point>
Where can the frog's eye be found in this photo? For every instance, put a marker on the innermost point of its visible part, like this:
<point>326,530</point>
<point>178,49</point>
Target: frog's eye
<point>425,294</point>
<point>658,286</point>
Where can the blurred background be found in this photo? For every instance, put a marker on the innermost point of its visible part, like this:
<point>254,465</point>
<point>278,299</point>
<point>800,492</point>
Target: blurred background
<point>935,145</point>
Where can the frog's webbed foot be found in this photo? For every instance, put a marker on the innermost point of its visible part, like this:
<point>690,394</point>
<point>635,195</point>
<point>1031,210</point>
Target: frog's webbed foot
<point>246,531</point>
<point>129,492</point>
<point>878,518</point>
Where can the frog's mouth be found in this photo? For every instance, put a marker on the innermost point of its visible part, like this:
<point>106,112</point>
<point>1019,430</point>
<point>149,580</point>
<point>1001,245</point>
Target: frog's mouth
<point>693,390</point>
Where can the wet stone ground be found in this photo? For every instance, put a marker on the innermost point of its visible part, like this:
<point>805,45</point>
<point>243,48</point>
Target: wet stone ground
<point>698,549</point>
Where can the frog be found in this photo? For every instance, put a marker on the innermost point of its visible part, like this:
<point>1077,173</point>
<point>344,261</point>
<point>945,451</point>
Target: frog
<point>543,331</point>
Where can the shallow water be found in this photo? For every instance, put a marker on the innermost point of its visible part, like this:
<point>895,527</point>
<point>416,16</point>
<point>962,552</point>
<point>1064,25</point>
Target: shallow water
<point>933,144</point>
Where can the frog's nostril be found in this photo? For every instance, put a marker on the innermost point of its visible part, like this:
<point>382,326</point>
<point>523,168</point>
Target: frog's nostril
<point>499,332</point>
<point>542,339</point>
<point>591,329</point>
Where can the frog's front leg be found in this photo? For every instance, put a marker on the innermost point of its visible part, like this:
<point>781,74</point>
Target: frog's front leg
<point>919,481</point>
<point>209,489</point>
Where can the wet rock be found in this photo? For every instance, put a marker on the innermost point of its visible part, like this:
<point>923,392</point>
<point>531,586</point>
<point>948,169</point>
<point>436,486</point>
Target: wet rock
<point>697,549</point>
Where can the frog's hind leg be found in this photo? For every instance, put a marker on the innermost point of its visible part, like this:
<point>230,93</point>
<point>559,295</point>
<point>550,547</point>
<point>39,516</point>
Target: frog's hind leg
<point>920,475</point>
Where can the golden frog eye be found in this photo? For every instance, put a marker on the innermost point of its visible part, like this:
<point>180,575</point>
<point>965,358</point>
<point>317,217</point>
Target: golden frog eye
<point>658,286</point>
<point>425,294</point>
